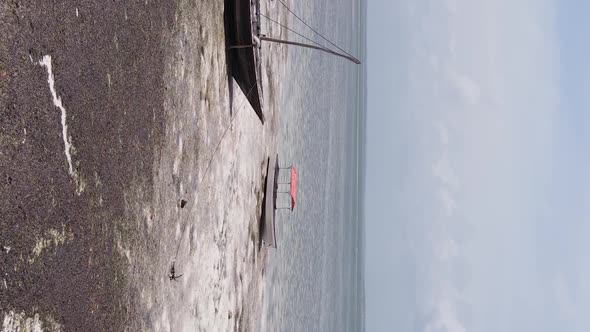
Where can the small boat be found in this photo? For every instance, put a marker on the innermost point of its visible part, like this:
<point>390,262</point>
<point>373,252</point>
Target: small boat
<point>268,232</point>
<point>271,191</point>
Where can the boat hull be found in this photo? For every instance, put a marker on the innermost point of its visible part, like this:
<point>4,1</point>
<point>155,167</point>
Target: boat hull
<point>270,198</point>
<point>243,55</point>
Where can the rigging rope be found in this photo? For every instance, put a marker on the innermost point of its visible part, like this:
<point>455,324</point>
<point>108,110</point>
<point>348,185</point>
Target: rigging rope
<point>312,29</point>
<point>210,163</point>
<point>293,31</point>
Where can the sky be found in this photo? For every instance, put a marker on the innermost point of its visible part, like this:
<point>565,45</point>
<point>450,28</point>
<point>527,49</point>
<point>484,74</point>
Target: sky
<point>478,166</point>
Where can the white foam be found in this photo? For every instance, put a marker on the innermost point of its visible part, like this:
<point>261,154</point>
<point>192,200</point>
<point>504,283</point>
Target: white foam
<point>46,62</point>
<point>14,322</point>
<point>52,237</point>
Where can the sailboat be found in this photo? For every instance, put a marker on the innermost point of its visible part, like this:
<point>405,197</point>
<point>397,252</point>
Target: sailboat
<point>242,25</point>
<point>244,37</point>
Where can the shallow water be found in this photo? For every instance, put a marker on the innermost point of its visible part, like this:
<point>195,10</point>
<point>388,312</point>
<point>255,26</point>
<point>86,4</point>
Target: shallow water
<point>313,281</point>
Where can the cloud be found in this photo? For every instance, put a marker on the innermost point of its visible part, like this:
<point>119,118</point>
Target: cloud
<point>443,132</point>
<point>443,171</point>
<point>467,88</point>
<point>563,298</point>
<point>446,249</point>
<point>449,203</point>
<point>445,319</point>
<point>451,6</point>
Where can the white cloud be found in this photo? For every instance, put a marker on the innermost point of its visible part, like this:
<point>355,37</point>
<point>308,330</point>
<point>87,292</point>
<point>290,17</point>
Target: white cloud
<point>467,88</point>
<point>443,133</point>
<point>443,171</point>
<point>448,202</point>
<point>451,6</point>
<point>446,319</point>
<point>563,298</point>
<point>446,249</point>
<point>452,46</point>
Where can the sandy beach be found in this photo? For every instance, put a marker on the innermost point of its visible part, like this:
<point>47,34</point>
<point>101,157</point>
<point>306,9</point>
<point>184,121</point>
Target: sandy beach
<point>111,114</point>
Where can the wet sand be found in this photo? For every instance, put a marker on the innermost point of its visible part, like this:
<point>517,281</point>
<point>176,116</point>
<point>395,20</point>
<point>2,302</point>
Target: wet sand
<point>110,112</point>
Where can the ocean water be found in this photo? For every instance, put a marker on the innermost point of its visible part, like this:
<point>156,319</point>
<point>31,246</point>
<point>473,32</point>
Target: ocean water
<point>314,279</point>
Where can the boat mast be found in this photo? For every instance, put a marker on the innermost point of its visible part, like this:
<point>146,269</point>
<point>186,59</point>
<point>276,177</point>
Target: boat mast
<point>327,50</point>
